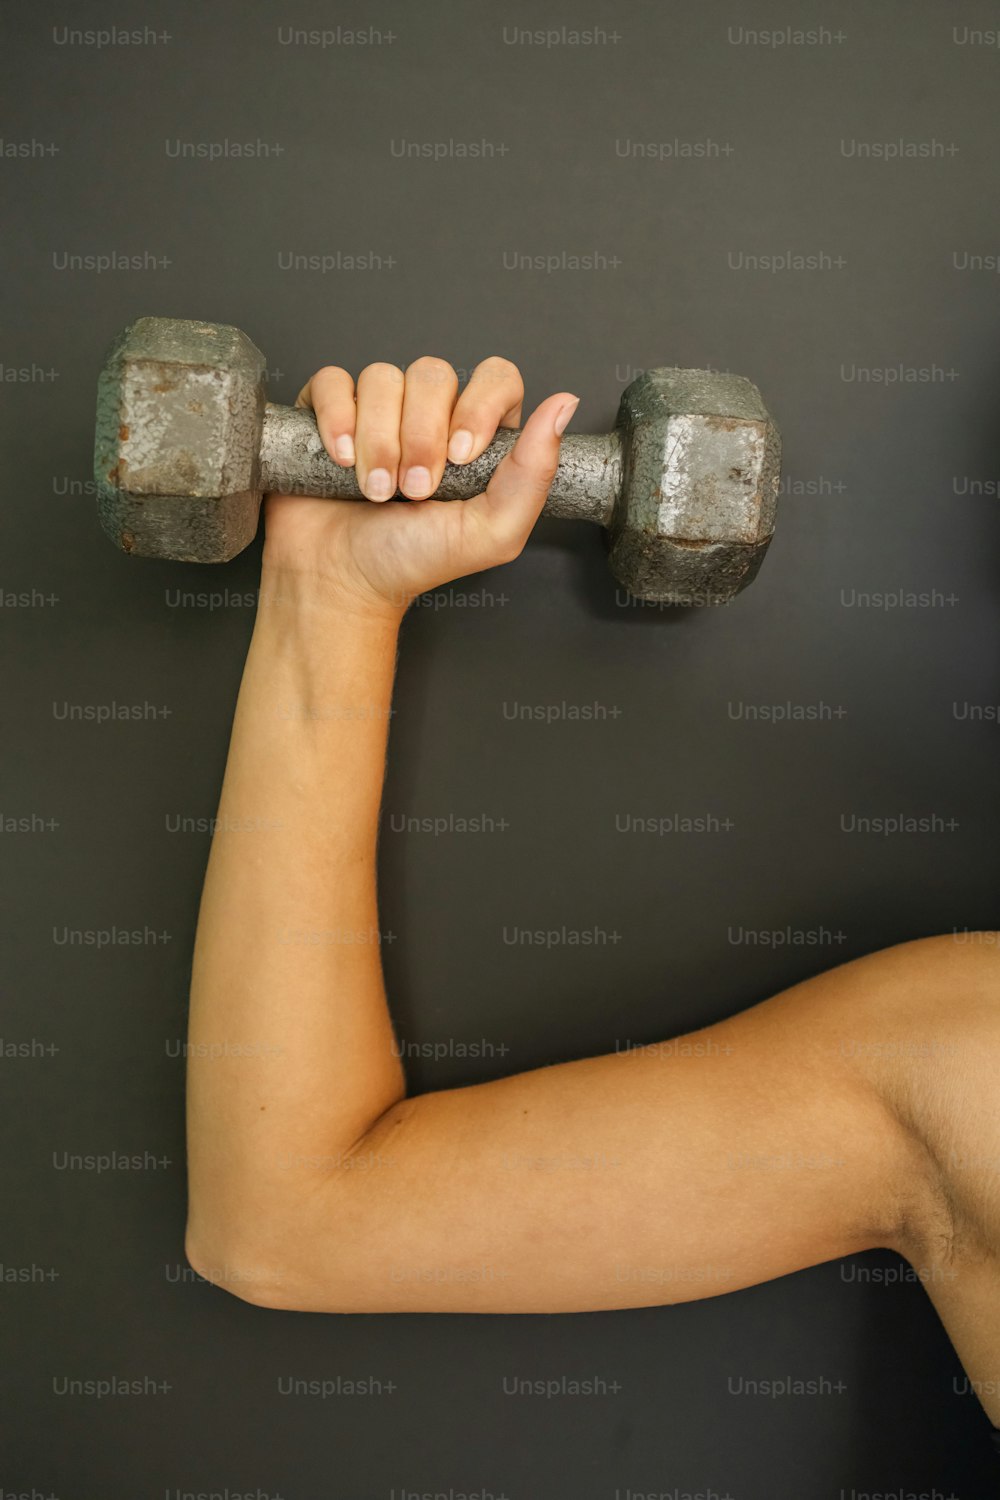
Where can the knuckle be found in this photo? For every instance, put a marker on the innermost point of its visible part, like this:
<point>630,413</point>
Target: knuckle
<point>510,539</point>
<point>431,369</point>
<point>423,448</point>
<point>379,452</point>
<point>382,370</point>
<point>498,367</point>
<point>424,431</point>
<point>479,417</point>
<point>536,469</point>
<point>327,374</point>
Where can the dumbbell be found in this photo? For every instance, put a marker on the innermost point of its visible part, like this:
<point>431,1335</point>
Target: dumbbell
<point>186,446</point>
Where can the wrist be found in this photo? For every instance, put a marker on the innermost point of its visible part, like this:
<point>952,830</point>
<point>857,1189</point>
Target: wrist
<point>320,660</point>
<point>290,595</point>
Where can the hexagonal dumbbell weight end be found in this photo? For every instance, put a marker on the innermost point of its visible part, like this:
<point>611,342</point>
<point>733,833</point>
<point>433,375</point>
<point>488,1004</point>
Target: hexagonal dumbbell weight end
<point>176,455</point>
<point>700,472</point>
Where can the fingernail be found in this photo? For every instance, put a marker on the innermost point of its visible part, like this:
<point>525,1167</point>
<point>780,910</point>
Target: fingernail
<point>344,449</point>
<point>563,415</point>
<point>417,482</point>
<point>379,485</point>
<point>460,446</point>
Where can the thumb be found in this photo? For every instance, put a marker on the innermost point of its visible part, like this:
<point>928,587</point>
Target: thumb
<point>504,514</point>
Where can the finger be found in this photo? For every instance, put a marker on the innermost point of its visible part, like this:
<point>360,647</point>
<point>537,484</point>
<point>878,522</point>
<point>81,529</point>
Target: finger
<point>428,398</point>
<point>376,435</point>
<point>492,399</point>
<point>330,393</point>
<point>504,514</point>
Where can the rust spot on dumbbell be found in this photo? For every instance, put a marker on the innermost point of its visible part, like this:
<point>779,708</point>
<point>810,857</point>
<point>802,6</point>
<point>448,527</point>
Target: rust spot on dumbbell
<point>127,541</point>
<point>123,433</point>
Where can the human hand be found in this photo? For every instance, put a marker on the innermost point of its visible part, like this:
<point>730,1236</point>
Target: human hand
<point>398,430</point>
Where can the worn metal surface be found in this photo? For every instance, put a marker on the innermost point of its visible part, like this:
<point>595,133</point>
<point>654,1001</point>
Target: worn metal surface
<point>700,484</point>
<point>293,461</point>
<point>186,446</point>
<point>179,411</point>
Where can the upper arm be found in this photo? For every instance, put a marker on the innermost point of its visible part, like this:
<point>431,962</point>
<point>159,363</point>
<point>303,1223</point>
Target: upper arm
<point>738,1153</point>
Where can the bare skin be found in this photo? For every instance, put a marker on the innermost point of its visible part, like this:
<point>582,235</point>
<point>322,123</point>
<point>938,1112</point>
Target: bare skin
<point>856,1110</point>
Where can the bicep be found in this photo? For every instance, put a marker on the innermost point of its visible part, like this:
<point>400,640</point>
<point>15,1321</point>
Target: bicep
<point>713,1161</point>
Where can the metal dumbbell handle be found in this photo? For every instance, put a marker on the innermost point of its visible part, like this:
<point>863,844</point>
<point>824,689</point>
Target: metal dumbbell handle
<point>586,486</point>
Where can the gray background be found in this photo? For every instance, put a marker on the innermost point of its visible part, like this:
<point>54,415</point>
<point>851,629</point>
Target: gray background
<point>878,500</point>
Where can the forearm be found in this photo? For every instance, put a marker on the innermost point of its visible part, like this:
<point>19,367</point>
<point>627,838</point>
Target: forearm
<point>290,1055</point>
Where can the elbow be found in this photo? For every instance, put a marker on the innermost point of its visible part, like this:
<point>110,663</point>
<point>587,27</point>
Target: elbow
<point>307,1247</point>
<point>234,1263</point>
<point>276,1270</point>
